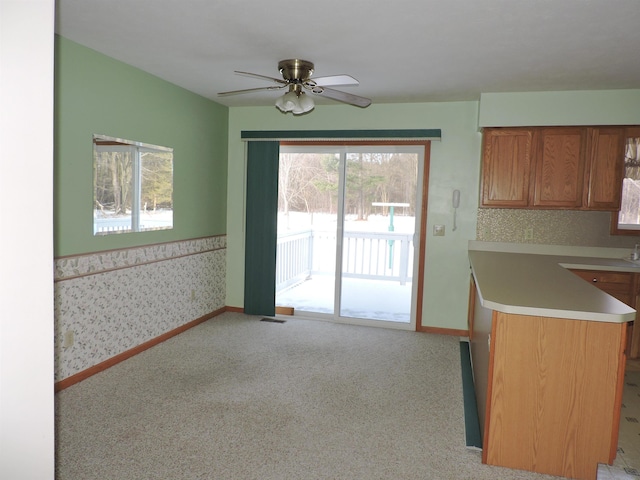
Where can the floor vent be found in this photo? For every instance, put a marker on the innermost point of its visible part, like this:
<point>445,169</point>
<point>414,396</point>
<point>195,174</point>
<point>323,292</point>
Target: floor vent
<point>273,320</point>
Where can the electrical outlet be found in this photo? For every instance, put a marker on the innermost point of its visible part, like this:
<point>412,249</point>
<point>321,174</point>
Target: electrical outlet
<point>528,234</point>
<point>68,339</point>
<point>438,230</point>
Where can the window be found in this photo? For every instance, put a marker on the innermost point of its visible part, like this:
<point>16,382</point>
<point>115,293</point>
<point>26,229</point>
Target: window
<point>133,186</point>
<point>627,221</point>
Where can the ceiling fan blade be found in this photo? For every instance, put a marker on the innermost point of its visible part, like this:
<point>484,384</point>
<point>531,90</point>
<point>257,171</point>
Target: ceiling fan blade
<point>335,81</point>
<point>343,96</point>
<point>248,74</point>
<point>249,90</point>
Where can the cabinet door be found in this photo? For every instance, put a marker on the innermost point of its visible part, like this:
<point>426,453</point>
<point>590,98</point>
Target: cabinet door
<point>559,177</point>
<point>605,156</point>
<point>506,167</point>
<point>625,287</point>
<point>621,285</point>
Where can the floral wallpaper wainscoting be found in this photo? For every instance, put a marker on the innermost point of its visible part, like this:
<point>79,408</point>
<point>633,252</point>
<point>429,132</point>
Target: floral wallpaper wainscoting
<point>110,302</point>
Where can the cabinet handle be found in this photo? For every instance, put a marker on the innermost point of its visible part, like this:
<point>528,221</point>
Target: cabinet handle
<point>595,280</point>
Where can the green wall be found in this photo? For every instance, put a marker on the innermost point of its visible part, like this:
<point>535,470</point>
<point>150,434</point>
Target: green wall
<point>455,163</point>
<point>97,94</point>
<point>589,107</point>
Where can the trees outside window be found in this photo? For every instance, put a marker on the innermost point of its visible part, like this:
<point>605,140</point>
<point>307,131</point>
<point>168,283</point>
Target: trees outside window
<point>133,186</point>
<point>627,220</point>
<point>308,182</point>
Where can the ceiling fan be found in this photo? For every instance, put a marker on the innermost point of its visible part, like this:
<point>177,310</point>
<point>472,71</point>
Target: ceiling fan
<point>296,75</point>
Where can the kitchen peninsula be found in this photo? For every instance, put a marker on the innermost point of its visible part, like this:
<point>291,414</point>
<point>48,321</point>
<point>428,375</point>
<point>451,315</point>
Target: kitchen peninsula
<point>548,354</point>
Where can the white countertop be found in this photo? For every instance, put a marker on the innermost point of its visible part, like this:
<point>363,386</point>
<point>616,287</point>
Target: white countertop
<point>539,283</point>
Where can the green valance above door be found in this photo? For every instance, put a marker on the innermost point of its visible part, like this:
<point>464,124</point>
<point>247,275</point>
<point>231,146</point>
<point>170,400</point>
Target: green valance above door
<point>341,135</point>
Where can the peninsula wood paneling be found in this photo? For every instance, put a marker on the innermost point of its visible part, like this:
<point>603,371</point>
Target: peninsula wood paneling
<point>555,394</point>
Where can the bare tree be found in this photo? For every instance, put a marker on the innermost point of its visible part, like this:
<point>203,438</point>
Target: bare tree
<point>309,182</point>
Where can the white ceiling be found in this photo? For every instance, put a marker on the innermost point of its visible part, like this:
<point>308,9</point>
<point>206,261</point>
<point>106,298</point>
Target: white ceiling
<point>400,51</point>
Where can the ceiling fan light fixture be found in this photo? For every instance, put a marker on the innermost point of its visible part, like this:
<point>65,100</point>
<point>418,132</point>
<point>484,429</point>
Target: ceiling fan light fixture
<point>287,102</point>
<point>306,103</point>
<point>280,104</point>
<point>294,103</point>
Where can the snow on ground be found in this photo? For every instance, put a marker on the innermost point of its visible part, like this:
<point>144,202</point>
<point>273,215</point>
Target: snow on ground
<point>360,298</point>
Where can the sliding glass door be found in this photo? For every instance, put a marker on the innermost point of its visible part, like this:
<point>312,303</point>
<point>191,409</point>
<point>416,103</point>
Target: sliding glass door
<point>347,221</point>
<point>308,204</point>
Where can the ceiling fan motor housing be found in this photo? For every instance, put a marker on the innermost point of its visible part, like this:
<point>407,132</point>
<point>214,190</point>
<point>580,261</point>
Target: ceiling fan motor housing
<point>295,70</point>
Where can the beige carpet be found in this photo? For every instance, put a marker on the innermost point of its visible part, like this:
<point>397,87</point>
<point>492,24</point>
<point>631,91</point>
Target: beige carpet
<point>236,398</point>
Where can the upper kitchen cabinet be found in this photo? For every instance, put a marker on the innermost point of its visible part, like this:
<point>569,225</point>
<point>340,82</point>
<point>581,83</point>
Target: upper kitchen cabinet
<point>577,168</point>
<point>507,158</point>
<point>606,168</point>
<point>559,167</point>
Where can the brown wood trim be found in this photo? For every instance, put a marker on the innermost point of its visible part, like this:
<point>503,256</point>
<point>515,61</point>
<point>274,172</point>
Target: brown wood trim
<point>83,375</point>
<point>425,195</point>
<point>444,331</point>
<point>622,363</point>
<point>630,132</point>
<point>423,236</point>
<point>284,310</point>
<point>614,230</point>
<point>487,410</point>
<point>235,309</point>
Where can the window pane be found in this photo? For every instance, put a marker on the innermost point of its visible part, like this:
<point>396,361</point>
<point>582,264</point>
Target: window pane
<point>133,186</point>
<point>629,216</point>
<point>113,174</point>
<point>157,190</point>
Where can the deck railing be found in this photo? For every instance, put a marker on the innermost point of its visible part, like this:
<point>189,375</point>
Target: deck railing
<point>294,257</point>
<point>370,255</point>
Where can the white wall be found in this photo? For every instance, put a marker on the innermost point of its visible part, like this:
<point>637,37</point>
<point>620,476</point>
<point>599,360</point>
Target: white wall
<point>26,239</point>
<point>455,163</point>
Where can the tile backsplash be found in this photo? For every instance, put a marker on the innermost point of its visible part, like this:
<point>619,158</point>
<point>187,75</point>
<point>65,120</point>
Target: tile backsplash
<point>549,227</point>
